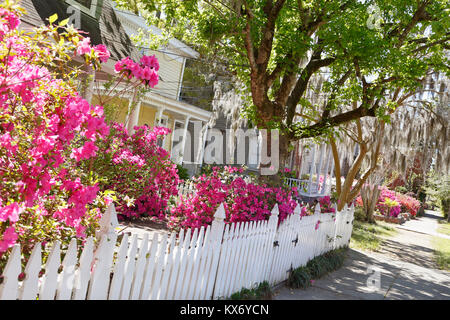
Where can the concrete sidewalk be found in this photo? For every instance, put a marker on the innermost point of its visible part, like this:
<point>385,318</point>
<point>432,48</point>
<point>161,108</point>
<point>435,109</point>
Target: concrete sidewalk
<point>355,281</point>
<point>403,269</point>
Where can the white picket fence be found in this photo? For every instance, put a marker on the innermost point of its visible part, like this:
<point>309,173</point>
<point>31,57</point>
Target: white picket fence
<point>206,263</point>
<point>186,188</point>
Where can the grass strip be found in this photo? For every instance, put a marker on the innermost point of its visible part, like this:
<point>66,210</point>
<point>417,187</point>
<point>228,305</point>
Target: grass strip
<point>262,292</point>
<point>316,268</point>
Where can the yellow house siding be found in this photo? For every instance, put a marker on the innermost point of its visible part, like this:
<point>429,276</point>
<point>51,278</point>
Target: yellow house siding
<point>147,115</point>
<point>115,110</point>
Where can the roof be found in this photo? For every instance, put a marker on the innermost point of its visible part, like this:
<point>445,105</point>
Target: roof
<point>135,22</point>
<point>104,28</point>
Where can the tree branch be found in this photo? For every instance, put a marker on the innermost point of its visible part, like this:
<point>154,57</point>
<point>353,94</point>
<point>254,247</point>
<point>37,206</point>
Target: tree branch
<point>337,165</point>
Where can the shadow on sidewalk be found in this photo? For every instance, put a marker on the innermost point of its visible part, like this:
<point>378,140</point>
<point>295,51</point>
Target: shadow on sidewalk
<point>416,254</point>
<point>397,280</point>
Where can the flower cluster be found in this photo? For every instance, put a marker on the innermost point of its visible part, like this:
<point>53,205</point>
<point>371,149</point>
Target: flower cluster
<point>93,53</point>
<point>137,170</point>
<point>243,200</point>
<point>391,203</point>
<point>146,71</point>
<point>45,129</point>
<point>408,203</point>
<point>326,206</point>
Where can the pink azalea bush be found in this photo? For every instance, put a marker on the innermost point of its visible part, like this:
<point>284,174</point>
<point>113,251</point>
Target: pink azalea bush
<point>243,200</point>
<point>391,203</point>
<point>326,206</point>
<point>138,171</point>
<point>146,71</point>
<point>388,203</point>
<point>51,141</point>
<point>46,128</point>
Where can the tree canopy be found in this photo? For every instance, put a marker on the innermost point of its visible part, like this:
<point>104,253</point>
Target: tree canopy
<point>376,53</point>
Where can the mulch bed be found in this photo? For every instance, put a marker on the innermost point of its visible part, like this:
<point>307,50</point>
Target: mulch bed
<point>389,219</point>
<point>146,223</point>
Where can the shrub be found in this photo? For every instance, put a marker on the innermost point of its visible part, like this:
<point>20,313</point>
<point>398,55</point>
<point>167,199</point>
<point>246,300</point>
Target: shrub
<point>408,204</point>
<point>391,203</point>
<point>50,136</point>
<point>401,189</point>
<point>139,171</point>
<point>243,200</point>
<point>182,172</point>
<point>299,278</point>
<point>262,292</point>
<point>46,128</point>
<point>316,268</point>
<point>359,214</point>
<point>326,206</point>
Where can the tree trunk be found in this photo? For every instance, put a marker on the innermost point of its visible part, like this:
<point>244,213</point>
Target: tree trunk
<point>369,196</point>
<point>448,213</point>
<point>278,158</point>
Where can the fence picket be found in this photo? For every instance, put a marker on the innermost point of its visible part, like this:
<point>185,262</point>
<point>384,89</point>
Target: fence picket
<point>67,276</point>
<point>190,262</point>
<point>83,273</point>
<point>223,263</point>
<point>130,265</point>
<point>151,260</point>
<point>183,265</point>
<point>217,230</point>
<point>101,274</point>
<point>9,289</point>
<point>159,265</point>
<point>119,270</point>
<point>204,255</point>
<point>50,279</point>
<point>206,263</point>
<point>176,263</point>
<point>138,275</point>
<point>30,286</point>
<point>167,268</point>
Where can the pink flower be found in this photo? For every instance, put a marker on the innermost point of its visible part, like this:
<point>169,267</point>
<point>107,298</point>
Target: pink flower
<point>9,239</point>
<point>10,212</point>
<point>102,52</point>
<point>85,152</point>
<point>84,46</point>
<point>317,225</point>
<point>150,61</point>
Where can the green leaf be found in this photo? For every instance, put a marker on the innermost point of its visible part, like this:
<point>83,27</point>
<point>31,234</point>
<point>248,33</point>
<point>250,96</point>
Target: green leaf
<point>64,22</point>
<point>52,18</point>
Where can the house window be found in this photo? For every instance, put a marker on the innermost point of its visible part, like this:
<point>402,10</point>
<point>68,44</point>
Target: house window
<point>91,7</point>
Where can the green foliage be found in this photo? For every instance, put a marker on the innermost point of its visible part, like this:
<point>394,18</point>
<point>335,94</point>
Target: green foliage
<point>359,214</point>
<point>366,61</point>
<point>262,292</point>
<point>299,278</point>
<point>368,236</point>
<point>401,189</point>
<point>316,268</point>
<point>197,88</point>
<point>438,189</point>
<point>182,172</point>
<point>442,252</point>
